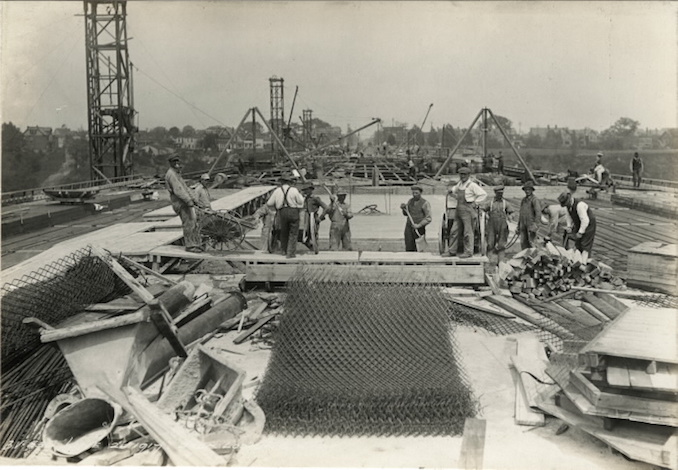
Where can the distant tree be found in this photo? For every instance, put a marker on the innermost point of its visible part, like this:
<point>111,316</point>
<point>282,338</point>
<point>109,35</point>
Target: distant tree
<point>624,127</point>
<point>449,136</point>
<point>468,140</point>
<point>553,139</point>
<point>174,131</point>
<point>209,142</point>
<point>391,140</point>
<point>188,131</point>
<point>416,136</point>
<point>20,166</point>
<point>158,133</point>
<point>505,123</point>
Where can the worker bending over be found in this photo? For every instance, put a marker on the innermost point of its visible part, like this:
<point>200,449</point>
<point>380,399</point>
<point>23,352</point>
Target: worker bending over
<point>530,214</point>
<point>183,204</point>
<point>469,195</point>
<point>340,230</point>
<point>583,224</point>
<point>288,203</point>
<point>419,217</point>
<point>499,211</point>
<point>202,195</point>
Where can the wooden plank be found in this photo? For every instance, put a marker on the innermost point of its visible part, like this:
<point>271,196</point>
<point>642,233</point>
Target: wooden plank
<point>123,274</point>
<point>618,293</point>
<point>600,399</point>
<point>253,329</point>
<point>640,379</point>
<point>473,444</point>
<point>580,315</point>
<point>594,312</point>
<point>57,334</point>
<point>613,301</point>
<point>409,257</point>
<point>476,305</point>
<point>647,443</point>
<point>627,336</point>
<point>467,275</point>
<point>618,376</point>
<point>524,415</point>
<point>601,305</point>
<point>529,314</point>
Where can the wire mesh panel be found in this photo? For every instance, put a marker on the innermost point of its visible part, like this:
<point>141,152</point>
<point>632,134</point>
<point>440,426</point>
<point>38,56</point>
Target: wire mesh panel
<point>53,293</point>
<point>354,357</point>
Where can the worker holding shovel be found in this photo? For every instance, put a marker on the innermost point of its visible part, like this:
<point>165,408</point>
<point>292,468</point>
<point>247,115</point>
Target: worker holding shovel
<point>418,213</point>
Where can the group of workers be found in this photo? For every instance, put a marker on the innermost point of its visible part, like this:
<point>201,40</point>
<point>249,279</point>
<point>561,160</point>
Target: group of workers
<point>293,215</point>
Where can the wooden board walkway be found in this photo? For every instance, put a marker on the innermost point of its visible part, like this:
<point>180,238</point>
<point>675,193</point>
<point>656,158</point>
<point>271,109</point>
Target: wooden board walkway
<point>260,266</point>
<point>253,195</point>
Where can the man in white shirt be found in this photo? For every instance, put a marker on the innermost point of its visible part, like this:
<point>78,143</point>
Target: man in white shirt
<point>288,202</point>
<point>469,195</point>
<point>583,224</point>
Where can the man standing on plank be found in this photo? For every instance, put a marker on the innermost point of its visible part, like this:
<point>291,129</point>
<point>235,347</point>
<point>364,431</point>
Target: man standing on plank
<point>183,204</point>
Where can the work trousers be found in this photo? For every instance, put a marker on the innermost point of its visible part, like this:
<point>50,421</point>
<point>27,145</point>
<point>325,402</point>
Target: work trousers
<point>411,236</point>
<point>189,225</point>
<point>527,238</point>
<point>289,228</point>
<point>465,218</point>
<point>497,235</point>
<point>636,178</point>
<point>340,237</point>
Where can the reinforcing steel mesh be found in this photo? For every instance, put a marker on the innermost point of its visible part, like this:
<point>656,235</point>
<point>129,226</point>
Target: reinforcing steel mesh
<point>356,357</point>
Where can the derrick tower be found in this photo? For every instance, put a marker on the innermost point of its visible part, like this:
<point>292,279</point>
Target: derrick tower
<point>277,109</point>
<point>110,103</point>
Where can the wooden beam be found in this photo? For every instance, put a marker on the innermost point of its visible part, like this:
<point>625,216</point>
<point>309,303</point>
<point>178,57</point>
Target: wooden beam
<point>47,336</point>
<point>149,271</point>
<point>253,329</point>
<point>472,444</point>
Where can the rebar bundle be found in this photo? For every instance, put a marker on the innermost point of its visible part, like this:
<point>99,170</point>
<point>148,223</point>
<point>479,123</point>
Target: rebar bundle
<point>356,357</point>
<point>32,373</point>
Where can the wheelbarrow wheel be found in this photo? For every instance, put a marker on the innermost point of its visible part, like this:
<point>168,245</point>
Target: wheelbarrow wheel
<point>222,232</point>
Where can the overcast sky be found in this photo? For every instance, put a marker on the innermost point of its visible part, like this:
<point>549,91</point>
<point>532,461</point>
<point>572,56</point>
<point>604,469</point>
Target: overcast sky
<point>574,64</point>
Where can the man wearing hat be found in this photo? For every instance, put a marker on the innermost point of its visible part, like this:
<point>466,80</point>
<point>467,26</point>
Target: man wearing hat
<point>340,230</point>
<point>636,168</point>
<point>582,224</point>
<point>201,195</point>
<point>183,203</point>
<point>499,211</point>
<point>419,217</point>
<point>311,206</point>
<point>469,195</point>
<point>529,217</point>
<point>288,203</point>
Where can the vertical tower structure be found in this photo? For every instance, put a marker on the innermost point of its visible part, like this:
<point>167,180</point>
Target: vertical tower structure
<point>307,118</point>
<point>110,102</point>
<point>277,109</point>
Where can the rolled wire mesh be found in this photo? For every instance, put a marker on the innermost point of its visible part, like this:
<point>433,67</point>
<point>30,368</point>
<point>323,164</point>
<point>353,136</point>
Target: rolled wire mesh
<point>355,357</point>
<point>33,373</point>
<point>53,293</point>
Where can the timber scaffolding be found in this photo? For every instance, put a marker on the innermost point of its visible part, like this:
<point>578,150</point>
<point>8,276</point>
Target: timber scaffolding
<point>474,300</point>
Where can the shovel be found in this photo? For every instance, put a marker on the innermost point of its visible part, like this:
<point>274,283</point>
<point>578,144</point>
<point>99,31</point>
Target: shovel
<point>420,241</point>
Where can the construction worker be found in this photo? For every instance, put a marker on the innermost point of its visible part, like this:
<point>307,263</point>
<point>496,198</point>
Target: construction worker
<point>469,195</point>
<point>636,168</point>
<point>551,216</point>
<point>340,229</point>
<point>201,195</point>
<point>582,225</point>
<point>312,204</point>
<point>267,216</point>
<point>529,216</point>
<point>288,203</point>
<point>418,218</point>
<point>183,204</point>
<point>497,230</point>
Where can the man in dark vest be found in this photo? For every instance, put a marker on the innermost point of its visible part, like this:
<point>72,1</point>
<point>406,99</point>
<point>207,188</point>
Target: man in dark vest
<point>583,228</point>
<point>420,212</point>
<point>288,202</point>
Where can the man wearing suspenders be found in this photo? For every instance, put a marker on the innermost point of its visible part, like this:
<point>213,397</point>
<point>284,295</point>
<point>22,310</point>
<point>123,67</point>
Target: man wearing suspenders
<point>288,202</point>
<point>497,231</point>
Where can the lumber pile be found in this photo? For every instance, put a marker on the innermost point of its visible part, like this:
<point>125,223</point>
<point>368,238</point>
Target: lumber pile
<point>654,265</point>
<point>543,272</point>
<point>623,386</point>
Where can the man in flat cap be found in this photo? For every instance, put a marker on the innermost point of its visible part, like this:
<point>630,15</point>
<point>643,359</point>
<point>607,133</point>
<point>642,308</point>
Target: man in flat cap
<point>419,217</point>
<point>288,203</point>
<point>529,217</point>
<point>340,229</point>
<point>469,195</point>
<point>581,224</point>
<point>312,204</point>
<point>183,204</point>
<point>499,212</point>
<point>202,195</point>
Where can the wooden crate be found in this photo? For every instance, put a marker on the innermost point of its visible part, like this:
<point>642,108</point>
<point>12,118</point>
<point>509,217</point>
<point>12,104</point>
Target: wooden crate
<point>654,265</point>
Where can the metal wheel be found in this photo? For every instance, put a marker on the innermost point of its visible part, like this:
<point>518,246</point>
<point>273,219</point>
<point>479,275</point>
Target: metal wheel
<point>221,231</point>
